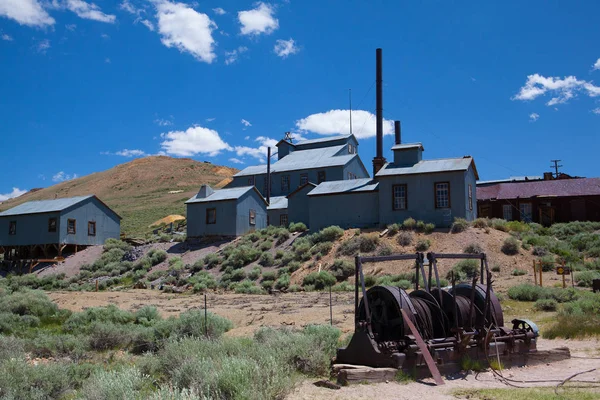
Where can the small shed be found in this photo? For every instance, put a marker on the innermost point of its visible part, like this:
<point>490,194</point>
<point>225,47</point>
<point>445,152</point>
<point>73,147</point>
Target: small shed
<point>44,227</point>
<point>298,204</point>
<point>277,211</point>
<point>348,204</point>
<point>225,212</point>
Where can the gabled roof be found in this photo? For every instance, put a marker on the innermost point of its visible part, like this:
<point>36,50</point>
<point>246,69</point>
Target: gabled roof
<point>278,203</point>
<point>225,194</point>
<point>299,188</point>
<point>324,140</point>
<point>406,146</point>
<point>303,159</point>
<point>345,186</point>
<point>47,206</point>
<point>553,188</point>
<point>430,166</point>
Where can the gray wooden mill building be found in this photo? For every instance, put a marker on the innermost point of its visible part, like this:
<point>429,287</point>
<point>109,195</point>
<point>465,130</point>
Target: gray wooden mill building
<point>44,228</point>
<point>325,183</point>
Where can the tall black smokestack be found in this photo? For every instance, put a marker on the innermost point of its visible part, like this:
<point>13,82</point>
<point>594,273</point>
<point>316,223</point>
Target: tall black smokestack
<point>397,132</point>
<point>379,161</point>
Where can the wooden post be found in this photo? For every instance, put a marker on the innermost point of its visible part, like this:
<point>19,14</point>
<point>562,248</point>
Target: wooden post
<point>75,249</point>
<point>330,308</point>
<point>540,265</point>
<point>96,285</point>
<point>534,273</point>
<point>564,283</point>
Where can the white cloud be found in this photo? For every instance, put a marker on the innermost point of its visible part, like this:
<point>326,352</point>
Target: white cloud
<point>195,140</point>
<point>104,36</point>
<point>131,153</point>
<point>71,27</point>
<point>596,64</point>
<point>219,11</point>
<point>284,48</point>
<point>258,20</point>
<point>334,122</point>
<point>236,161</point>
<point>247,138</point>
<point>16,192</point>
<point>26,12</point>
<point>562,89</point>
<point>89,11</point>
<point>61,177</point>
<point>163,122</point>
<point>245,122</point>
<point>127,6</point>
<point>534,117</point>
<point>148,24</point>
<point>596,111</point>
<point>260,153</point>
<point>232,56</point>
<point>43,46</point>
<point>210,119</point>
<point>186,29</point>
<point>6,37</point>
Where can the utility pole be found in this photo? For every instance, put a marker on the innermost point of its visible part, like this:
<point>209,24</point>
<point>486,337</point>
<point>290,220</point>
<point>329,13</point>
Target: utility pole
<point>556,167</point>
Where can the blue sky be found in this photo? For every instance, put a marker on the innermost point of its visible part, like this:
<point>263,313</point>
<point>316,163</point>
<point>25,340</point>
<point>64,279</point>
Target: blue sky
<point>86,86</point>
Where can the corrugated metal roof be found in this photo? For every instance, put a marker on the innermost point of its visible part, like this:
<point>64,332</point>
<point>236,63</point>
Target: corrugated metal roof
<point>345,186</point>
<point>44,206</point>
<point>278,203</point>
<point>512,179</point>
<point>303,159</point>
<point>428,167</point>
<point>555,188</point>
<point>222,194</point>
<point>322,140</point>
<point>405,146</point>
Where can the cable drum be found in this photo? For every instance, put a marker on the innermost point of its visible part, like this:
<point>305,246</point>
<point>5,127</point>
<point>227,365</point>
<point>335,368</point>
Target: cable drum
<point>385,303</point>
<point>431,320</point>
<point>494,315</point>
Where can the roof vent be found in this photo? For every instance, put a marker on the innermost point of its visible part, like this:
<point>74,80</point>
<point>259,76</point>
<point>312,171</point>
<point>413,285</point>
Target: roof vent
<point>204,192</point>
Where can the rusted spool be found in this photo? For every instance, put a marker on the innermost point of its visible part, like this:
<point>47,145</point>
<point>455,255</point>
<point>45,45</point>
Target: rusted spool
<point>431,320</point>
<point>494,314</point>
<point>385,303</point>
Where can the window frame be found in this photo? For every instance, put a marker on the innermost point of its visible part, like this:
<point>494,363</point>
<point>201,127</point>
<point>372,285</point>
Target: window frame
<point>252,217</point>
<point>69,230</point>
<point>12,228</point>
<point>212,210</point>
<point>404,186</point>
<point>251,181</point>
<point>286,179</point>
<point>435,194</point>
<point>509,208</point>
<point>303,177</point>
<point>351,148</point>
<point>282,218</point>
<point>50,220</point>
<point>470,197</point>
<point>521,213</point>
<point>90,224</point>
<point>322,173</point>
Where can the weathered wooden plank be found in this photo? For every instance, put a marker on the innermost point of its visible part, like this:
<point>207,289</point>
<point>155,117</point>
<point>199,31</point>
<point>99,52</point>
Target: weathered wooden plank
<point>365,374</point>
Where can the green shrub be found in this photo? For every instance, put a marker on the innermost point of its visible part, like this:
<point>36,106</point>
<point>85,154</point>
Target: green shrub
<point>394,280</point>
<point>517,226</point>
<point>464,270</point>
<point>510,246</point>
<point>267,284</point>
<point>268,276</point>
<point>423,245</point>
<point>545,305</point>
<point>498,224</point>
<point>529,292</point>
<point>298,227</point>
<point>370,280</point>
<point>283,282</point>
<point>342,269</point>
<point>156,256</point>
<point>459,225</point>
<point>330,234</point>
<point>481,223</point>
<point>585,278</point>
<point>266,245</point>
<point>191,323</point>
<point>518,272</point>
<point>579,318</point>
<point>593,252</point>
<point>496,268</point>
<point>211,260</point>
<point>282,236</point>
<point>111,243</point>
<point>322,248</point>
<point>429,228</point>
<point>421,226</point>
<point>473,248</point>
<point>266,259</point>
<point>343,287</point>
<point>254,274</point>
<point>294,288</point>
<point>384,250</point>
<point>393,229</point>
<point>241,256</point>
<point>405,238</point>
<point>247,287</point>
<point>409,224</point>
<point>364,244</point>
<point>105,336</point>
<point>539,251</point>
<point>320,280</point>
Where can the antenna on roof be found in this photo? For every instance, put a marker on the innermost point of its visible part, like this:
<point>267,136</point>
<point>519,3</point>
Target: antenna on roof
<point>350,95</point>
<point>555,166</point>
<point>288,137</point>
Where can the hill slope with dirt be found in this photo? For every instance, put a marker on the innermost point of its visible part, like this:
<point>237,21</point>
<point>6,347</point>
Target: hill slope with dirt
<point>142,191</point>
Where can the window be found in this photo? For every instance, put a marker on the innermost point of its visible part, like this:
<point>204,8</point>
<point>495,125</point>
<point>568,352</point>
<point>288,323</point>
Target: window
<point>442,195</point>
<point>71,226</point>
<point>507,212</point>
<point>252,217</point>
<point>321,177</point>
<point>351,148</point>
<point>303,179</point>
<point>285,183</point>
<point>211,216</point>
<point>283,220</point>
<point>351,175</point>
<point>251,181</point>
<point>399,197</point>
<point>525,209</point>
<point>12,228</point>
<point>91,228</point>
<point>51,224</point>
<point>470,197</point>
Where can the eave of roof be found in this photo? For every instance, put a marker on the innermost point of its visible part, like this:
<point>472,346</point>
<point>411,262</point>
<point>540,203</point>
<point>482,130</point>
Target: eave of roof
<point>51,206</point>
<point>548,188</point>
<point>364,185</point>
<point>430,167</point>
<point>299,188</point>
<point>229,194</point>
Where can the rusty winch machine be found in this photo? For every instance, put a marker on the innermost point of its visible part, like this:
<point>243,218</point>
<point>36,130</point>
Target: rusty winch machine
<point>433,329</point>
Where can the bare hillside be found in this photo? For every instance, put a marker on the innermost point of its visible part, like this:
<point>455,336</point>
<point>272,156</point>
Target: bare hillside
<point>139,190</point>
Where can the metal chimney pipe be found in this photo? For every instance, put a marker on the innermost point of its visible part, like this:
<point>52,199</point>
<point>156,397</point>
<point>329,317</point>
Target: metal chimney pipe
<point>268,188</point>
<point>379,89</point>
<point>397,132</point>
